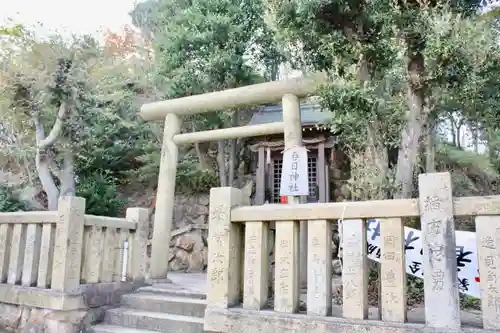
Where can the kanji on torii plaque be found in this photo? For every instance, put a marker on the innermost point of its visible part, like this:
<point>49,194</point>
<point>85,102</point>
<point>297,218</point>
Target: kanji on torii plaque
<point>294,176</point>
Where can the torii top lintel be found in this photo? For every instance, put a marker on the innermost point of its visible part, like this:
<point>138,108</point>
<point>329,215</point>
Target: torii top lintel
<point>262,93</point>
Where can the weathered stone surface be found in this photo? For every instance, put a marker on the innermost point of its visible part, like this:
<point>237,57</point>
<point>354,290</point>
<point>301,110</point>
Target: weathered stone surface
<point>70,313</point>
<point>188,249</point>
<point>238,320</point>
<point>336,267</point>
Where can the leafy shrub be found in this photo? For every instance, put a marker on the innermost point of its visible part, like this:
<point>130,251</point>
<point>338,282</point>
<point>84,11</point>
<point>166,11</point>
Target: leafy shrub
<point>190,179</point>
<point>9,202</point>
<point>101,195</point>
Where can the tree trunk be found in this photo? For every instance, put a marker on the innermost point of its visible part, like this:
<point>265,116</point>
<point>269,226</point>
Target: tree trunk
<point>412,131</point>
<point>453,130</point>
<point>202,154</point>
<point>221,161</point>
<point>232,150</point>
<point>376,155</point>
<point>475,135</point>
<point>49,186</point>
<point>430,148</point>
<point>67,178</point>
<point>43,161</point>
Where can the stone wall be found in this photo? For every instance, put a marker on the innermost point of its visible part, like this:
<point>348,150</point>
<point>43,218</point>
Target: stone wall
<point>188,248</point>
<point>79,311</point>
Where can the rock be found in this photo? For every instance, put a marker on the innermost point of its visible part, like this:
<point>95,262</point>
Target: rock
<point>201,210</point>
<point>171,255</point>
<point>10,316</point>
<point>200,220</point>
<point>14,318</point>
<point>204,254</point>
<point>336,267</point>
<point>204,199</point>
<point>185,242</point>
<point>180,261</point>
<point>195,261</point>
<point>188,249</point>
<point>335,250</point>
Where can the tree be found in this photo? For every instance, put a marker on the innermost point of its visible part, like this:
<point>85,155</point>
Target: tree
<point>394,66</point>
<point>203,46</point>
<point>86,98</point>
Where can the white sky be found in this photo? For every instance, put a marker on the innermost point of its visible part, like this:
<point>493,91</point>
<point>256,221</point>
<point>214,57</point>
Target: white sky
<point>69,16</point>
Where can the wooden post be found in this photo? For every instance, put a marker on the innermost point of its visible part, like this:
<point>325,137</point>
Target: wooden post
<point>165,199</point>
<point>442,304</point>
<point>68,244</point>
<point>225,244</point>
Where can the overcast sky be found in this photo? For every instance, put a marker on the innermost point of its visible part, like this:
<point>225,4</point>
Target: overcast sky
<point>69,16</point>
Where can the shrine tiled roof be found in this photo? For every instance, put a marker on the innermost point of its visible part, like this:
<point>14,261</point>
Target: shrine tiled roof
<point>310,114</point>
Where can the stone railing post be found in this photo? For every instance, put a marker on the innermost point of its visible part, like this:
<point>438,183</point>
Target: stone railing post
<point>68,244</point>
<point>138,243</point>
<point>225,247</point>
<point>442,306</point>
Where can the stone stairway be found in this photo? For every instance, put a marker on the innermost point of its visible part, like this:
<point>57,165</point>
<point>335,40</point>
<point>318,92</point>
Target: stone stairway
<point>159,308</point>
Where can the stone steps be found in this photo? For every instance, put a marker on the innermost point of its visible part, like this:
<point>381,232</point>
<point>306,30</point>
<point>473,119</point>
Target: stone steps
<point>171,290</point>
<point>165,304</point>
<point>158,308</point>
<point>103,328</point>
<point>153,321</point>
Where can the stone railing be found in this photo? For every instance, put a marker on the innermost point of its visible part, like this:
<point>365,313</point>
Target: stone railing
<point>48,258</point>
<point>238,285</point>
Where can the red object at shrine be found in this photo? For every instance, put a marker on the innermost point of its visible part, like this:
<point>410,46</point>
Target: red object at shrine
<point>284,199</point>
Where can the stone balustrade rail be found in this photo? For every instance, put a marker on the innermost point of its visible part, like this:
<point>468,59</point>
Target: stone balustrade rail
<point>238,285</point>
<point>47,255</point>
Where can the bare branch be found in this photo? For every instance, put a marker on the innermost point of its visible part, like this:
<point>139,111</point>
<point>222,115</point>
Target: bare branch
<point>56,129</point>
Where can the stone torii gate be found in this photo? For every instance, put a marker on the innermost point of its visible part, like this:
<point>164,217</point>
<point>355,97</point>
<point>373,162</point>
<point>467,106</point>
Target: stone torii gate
<point>288,91</point>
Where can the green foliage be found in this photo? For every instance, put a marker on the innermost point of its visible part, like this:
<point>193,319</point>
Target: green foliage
<point>101,195</point>
<point>472,173</point>
<point>191,180</point>
<point>16,30</point>
<point>9,202</point>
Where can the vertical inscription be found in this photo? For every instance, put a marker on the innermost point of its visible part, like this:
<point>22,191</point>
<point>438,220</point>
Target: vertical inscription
<point>319,267</point>
<point>256,276</point>
<point>439,258</point>
<point>68,244</point>
<point>354,273</point>
<point>287,267</point>
<point>488,245</point>
<point>225,248</point>
<point>393,282</point>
